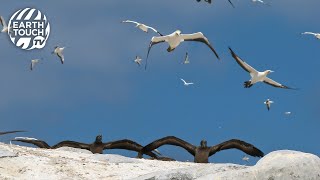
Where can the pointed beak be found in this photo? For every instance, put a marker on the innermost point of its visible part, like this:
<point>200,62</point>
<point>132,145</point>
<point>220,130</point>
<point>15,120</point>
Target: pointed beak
<point>271,71</point>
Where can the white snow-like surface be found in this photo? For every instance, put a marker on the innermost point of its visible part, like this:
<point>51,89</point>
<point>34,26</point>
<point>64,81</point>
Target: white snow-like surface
<point>19,162</point>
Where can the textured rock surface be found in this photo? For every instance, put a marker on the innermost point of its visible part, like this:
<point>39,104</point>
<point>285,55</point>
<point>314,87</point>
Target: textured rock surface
<point>18,162</point>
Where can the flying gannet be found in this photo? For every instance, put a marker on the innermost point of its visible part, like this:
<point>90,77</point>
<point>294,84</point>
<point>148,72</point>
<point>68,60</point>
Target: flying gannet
<point>138,60</point>
<point>33,63</point>
<point>245,158</point>
<point>143,27</point>
<point>186,83</point>
<point>287,113</point>
<point>256,76</point>
<point>58,51</point>
<point>268,103</point>
<point>26,138</point>
<point>175,38</point>
<point>186,59</point>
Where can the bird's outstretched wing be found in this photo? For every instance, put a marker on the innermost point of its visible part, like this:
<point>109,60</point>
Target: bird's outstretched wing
<point>183,81</point>
<point>128,145</point>
<point>154,40</point>
<point>237,144</point>
<point>3,22</point>
<point>129,21</point>
<point>9,132</point>
<point>200,38</point>
<point>309,33</point>
<point>39,143</point>
<point>73,144</point>
<point>149,27</point>
<point>153,29</point>
<point>275,84</point>
<point>231,3</point>
<point>61,56</point>
<point>242,63</point>
<point>171,140</point>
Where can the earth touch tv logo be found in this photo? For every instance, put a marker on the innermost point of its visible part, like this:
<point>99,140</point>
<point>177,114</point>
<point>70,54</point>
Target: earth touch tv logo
<point>29,29</point>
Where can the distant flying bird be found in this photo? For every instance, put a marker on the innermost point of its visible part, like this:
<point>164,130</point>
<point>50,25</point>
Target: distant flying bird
<point>141,26</point>
<point>175,38</point>
<point>287,113</point>
<point>260,1</point>
<point>33,63</point>
<point>5,27</point>
<point>96,147</point>
<point>256,76</point>
<point>203,152</point>
<point>209,1</point>
<point>316,35</point>
<point>9,132</point>
<point>138,60</point>
<point>268,103</point>
<point>26,138</point>
<point>58,51</point>
<point>186,83</point>
<point>186,59</point>
<point>245,158</point>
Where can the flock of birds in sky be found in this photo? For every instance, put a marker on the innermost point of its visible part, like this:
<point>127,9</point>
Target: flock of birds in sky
<point>201,153</point>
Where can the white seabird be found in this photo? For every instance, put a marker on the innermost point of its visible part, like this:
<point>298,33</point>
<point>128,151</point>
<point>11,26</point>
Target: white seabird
<point>5,27</point>
<point>58,51</point>
<point>287,113</point>
<point>317,35</point>
<point>175,38</point>
<point>26,138</point>
<point>256,76</point>
<point>138,60</point>
<point>260,1</point>
<point>143,27</point>
<point>157,151</point>
<point>245,158</point>
<point>186,83</point>
<point>268,103</point>
<point>33,63</point>
<point>186,59</point>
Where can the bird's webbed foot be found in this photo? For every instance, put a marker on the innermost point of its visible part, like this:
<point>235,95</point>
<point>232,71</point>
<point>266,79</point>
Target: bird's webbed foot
<point>247,84</point>
<point>170,49</point>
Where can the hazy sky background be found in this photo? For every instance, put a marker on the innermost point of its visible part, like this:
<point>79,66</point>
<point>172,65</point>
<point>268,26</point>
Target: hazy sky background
<point>100,90</point>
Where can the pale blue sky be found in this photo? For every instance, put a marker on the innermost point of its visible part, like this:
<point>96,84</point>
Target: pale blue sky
<point>99,90</point>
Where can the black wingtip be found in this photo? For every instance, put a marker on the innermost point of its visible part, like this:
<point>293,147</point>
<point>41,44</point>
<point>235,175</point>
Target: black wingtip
<point>296,89</point>
<point>261,154</point>
<point>231,3</point>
